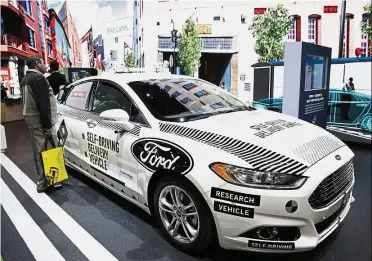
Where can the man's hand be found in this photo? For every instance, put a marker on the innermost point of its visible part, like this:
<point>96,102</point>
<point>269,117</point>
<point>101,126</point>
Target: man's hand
<point>49,132</point>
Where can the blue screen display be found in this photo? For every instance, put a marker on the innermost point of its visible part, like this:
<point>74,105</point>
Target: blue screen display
<point>315,69</point>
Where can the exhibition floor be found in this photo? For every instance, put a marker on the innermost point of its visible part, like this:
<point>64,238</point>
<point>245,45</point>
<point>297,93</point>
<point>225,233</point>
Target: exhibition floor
<point>118,230</point>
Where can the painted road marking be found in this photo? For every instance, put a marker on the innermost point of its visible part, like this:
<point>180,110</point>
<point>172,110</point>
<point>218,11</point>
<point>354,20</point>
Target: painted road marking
<point>35,239</point>
<point>89,246</point>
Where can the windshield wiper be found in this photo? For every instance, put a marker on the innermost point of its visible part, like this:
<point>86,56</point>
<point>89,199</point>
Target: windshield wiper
<point>202,116</point>
<point>233,110</point>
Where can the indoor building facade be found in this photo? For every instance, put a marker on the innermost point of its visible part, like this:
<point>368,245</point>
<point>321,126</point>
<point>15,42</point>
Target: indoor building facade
<point>24,33</point>
<point>228,46</point>
<point>72,34</point>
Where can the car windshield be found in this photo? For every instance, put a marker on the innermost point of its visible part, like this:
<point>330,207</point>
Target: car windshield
<point>185,99</point>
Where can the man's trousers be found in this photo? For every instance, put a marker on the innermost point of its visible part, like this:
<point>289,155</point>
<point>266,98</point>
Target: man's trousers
<point>38,141</point>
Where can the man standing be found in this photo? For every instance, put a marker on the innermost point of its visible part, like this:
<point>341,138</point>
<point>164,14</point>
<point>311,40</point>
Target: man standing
<point>4,95</point>
<point>40,113</point>
<point>349,87</point>
<point>346,99</point>
<point>56,79</point>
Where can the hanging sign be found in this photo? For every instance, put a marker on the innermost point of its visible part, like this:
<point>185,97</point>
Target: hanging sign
<point>202,28</point>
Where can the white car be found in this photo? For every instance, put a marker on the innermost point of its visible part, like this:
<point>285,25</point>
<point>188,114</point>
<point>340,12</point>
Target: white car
<point>206,165</point>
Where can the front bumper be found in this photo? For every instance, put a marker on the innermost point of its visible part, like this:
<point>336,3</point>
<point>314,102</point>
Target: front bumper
<point>269,208</point>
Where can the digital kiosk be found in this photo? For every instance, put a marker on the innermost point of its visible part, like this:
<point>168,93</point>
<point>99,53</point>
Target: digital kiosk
<point>306,82</point>
<point>76,73</point>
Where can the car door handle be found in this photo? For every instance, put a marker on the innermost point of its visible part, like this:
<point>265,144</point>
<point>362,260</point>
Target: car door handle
<point>91,123</point>
<point>59,115</point>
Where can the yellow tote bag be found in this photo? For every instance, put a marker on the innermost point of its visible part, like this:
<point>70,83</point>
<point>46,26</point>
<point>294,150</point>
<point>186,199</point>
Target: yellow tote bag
<point>54,164</point>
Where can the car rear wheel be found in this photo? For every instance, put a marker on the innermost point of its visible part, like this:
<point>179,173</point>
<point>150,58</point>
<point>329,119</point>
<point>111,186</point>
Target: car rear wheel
<point>182,215</point>
<point>367,123</point>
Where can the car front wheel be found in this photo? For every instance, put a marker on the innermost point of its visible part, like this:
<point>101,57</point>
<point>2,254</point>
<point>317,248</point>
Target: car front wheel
<point>182,215</point>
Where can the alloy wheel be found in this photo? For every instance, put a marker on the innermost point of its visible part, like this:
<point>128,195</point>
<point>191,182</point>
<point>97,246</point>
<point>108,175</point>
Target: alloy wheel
<point>178,214</point>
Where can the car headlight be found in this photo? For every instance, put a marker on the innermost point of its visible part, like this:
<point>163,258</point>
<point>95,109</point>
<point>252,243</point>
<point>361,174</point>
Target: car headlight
<point>257,179</point>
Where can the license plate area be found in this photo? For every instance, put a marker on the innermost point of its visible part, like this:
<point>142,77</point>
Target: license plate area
<point>340,205</point>
<point>335,215</point>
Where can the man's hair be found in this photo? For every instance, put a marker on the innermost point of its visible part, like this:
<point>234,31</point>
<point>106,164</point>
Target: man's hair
<point>32,61</point>
<point>54,65</point>
<point>94,72</point>
<point>351,79</point>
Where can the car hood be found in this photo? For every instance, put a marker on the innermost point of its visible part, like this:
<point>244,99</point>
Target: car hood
<point>266,140</point>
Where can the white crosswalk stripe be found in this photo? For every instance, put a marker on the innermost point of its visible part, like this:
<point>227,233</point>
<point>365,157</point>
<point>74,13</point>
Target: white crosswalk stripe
<point>39,245</point>
<point>87,244</point>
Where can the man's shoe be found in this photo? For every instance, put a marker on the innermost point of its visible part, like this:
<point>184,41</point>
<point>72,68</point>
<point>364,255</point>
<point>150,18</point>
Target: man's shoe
<point>41,186</point>
<point>57,186</point>
<point>42,189</point>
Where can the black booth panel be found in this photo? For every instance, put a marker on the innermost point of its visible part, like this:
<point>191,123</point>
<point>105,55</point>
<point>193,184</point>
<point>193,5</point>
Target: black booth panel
<point>262,83</point>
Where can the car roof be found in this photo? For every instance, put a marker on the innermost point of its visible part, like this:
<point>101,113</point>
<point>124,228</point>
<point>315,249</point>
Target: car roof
<point>131,77</point>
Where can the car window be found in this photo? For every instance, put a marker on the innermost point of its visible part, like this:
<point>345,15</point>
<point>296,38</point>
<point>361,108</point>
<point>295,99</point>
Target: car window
<point>109,97</point>
<point>185,99</point>
<point>334,97</point>
<point>356,98</point>
<point>78,96</point>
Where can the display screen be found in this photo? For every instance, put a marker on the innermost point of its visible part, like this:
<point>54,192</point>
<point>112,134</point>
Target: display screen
<point>315,71</point>
<point>80,75</point>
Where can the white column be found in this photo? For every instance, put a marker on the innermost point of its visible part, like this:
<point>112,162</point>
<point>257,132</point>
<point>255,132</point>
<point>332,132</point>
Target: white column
<point>14,78</point>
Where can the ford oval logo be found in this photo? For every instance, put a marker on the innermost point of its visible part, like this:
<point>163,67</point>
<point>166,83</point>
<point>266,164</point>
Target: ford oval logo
<point>338,157</point>
<point>156,154</point>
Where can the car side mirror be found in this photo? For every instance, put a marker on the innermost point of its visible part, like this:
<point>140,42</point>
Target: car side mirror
<point>117,116</point>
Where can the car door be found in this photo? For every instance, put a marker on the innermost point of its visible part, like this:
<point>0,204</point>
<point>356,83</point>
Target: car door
<point>108,145</point>
<point>72,114</point>
<point>358,108</point>
<point>342,110</point>
<point>332,103</point>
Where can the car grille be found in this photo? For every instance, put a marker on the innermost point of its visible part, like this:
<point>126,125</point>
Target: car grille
<point>332,187</point>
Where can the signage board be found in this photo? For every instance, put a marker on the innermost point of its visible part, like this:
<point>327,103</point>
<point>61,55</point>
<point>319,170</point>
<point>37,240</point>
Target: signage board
<point>202,28</point>
<point>5,77</point>
<point>306,82</point>
<point>4,72</point>
<point>118,28</point>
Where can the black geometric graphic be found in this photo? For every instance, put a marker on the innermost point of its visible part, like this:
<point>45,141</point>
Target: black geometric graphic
<point>155,154</point>
<point>291,206</point>
<point>259,158</point>
<point>62,134</point>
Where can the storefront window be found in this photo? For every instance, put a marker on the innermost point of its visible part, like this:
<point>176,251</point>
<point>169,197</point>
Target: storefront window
<point>31,37</point>
<point>292,31</point>
<point>312,30</point>
<point>27,6</point>
<point>46,24</point>
<point>49,48</point>
<point>2,30</point>
<point>364,39</point>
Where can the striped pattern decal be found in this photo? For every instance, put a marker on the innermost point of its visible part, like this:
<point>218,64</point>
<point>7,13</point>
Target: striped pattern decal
<point>317,149</point>
<point>259,158</point>
<point>85,115</point>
